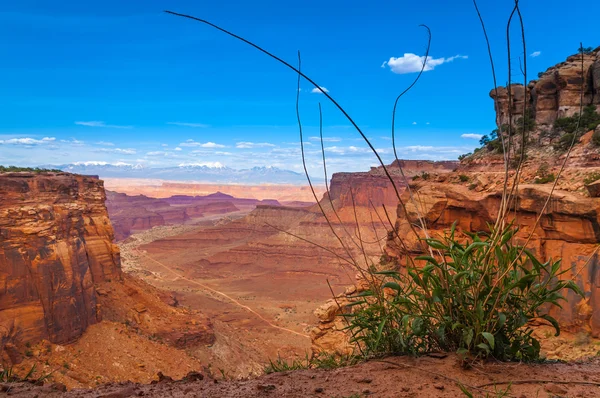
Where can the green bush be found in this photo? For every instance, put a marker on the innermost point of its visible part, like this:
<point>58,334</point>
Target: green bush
<point>564,142</point>
<point>463,178</point>
<point>475,298</point>
<point>591,178</point>
<point>546,179</point>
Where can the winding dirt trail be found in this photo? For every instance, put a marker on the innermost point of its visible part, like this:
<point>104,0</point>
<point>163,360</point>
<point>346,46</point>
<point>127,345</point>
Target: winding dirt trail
<point>182,277</point>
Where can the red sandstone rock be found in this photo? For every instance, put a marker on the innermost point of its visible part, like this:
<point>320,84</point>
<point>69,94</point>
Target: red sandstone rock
<point>56,242</point>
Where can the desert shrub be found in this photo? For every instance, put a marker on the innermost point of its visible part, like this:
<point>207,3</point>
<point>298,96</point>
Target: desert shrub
<point>545,179</point>
<point>596,137</point>
<point>543,175</point>
<point>463,178</point>
<point>425,175</point>
<point>320,360</point>
<point>591,178</point>
<point>7,169</point>
<point>475,298</point>
<point>472,186</point>
<point>464,156</point>
<point>590,119</point>
<point>7,375</point>
<point>564,142</point>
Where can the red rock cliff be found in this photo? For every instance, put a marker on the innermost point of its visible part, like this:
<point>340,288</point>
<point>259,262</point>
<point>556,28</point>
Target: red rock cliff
<point>56,243</point>
<point>556,93</point>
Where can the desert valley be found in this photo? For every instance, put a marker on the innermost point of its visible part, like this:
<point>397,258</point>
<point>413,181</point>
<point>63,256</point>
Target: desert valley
<point>121,280</point>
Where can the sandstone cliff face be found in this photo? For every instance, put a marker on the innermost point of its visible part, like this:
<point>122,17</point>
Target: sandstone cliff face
<point>374,188</point>
<point>557,92</point>
<point>569,230</point>
<point>56,243</point>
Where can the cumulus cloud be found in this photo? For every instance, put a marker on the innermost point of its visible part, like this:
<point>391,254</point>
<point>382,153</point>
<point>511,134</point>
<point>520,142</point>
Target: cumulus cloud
<point>472,136</point>
<point>319,90</point>
<point>410,63</point>
<point>104,143</point>
<point>535,54</point>
<point>183,124</point>
<point>27,141</point>
<point>192,143</point>
<point>155,153</point>
<point>96,123</point>
<point>178,149</point>
<point>248,145</point>
<point>414,123</point>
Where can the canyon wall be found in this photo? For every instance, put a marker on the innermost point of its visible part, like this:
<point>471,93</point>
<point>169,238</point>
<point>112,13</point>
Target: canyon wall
<point>56,243</point>
<point>374,188</point>
<point>569,230</point>
<point>556,93</point>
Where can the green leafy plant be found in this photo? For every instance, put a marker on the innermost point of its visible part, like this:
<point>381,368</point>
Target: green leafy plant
<point>475,297</point>
<point>463,178</point>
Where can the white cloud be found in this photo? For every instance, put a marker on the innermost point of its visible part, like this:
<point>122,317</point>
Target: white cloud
<point>319,90</point>
<point>125,151</point>
<point>104,143</point>
<point>155,153</point>
<point>183,124</point>
<point>472,136</point>
<point>99,163</point>
<point>326,139</point>
<point>192,143</point>
<point>178,149</point>
<point>73,142</point>
<point>536,54</point>
<point>215,165</point>
<point>128,151</point>
<point>164,145</point>
<point>27,141</point>
<point>414,123</point>
<point>97,123</point>
<point>410,63</point>
<point>248,145</point>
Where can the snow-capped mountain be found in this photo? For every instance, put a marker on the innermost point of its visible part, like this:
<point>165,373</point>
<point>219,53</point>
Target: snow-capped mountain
<point>209,173</point>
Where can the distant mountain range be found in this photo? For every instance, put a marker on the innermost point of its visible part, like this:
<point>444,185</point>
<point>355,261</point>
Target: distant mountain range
<point>185,172</point>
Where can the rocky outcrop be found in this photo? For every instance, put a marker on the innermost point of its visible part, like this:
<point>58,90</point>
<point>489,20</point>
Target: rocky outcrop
<point>556,94</point>
<point>374,188</point>
<point>569,229</point>
<point>56,243</point>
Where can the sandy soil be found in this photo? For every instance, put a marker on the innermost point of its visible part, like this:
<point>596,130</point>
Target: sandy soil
<point>390,377</point>
<point>259,310</point>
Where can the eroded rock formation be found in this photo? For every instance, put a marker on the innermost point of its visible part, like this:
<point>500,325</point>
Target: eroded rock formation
<point>56,243</point>
<point>555,94</point>
<point>569,230</point>
<point>131,213</point>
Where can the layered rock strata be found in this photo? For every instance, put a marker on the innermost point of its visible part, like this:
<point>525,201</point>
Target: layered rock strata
<point>56,243</point>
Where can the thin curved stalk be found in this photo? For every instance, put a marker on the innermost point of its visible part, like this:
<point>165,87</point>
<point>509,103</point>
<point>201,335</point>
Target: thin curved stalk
<point>311,81</point>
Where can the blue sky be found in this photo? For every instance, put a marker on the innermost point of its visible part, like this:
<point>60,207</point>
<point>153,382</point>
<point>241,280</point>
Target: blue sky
<point>116,81</point>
